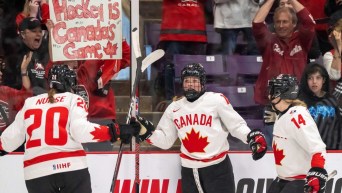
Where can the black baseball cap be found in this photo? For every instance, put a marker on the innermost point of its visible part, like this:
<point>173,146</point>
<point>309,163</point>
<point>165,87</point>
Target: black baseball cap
<point>30,23</point>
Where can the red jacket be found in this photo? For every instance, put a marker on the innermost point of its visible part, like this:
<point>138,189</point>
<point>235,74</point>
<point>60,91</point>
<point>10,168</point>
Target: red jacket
<point>183,20</point>
<point>280,57</point>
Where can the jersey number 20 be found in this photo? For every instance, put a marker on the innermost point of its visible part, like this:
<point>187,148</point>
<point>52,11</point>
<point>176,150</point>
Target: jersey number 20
<point>50,135</point>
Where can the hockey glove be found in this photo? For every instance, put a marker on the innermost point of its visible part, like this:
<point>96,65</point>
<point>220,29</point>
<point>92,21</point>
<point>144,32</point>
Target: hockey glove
<point>124,131</point>
<point>146,130</point>
<point>316,180</point>
<point>257,143</point>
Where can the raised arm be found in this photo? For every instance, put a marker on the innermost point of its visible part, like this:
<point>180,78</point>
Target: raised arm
<point>24,74</point>
<point>296,5</point>
<point>263,11</point>
<point>49,25</point>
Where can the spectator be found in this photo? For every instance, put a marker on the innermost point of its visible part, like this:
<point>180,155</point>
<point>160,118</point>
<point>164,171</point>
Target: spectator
<point>315,92</point>
<point>31,36</point>
<point>314,52</point>
<point>11,100</point>
<point>284,51</point>
<point>94,78</point>
<point>49,158</point>
<point>232,17</point>
<point>299,151</point>
<point>202,121</point>
<point>34,8</point>
<point>332,59</point>
<point>183,31</point>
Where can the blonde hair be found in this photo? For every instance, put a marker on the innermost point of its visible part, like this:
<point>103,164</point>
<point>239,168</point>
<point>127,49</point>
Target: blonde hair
<point>51,95</point>
<point>296,102</point>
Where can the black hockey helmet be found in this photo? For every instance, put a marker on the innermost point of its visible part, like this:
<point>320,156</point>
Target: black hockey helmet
<point>62,78</point>
<point>284,86</point>
<point>194,69</point>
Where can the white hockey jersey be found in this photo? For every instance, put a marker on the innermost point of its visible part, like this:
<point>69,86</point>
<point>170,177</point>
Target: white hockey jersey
<point>202,127</point>
<point>295,140</point>
<point>53,133</point>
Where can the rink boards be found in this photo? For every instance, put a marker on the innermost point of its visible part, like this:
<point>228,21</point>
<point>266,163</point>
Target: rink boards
<point>160,172</point>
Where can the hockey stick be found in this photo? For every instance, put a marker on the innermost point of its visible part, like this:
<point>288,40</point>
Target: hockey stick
<point>150,59</point>
<point>330,176</point>
<point>136,48</point>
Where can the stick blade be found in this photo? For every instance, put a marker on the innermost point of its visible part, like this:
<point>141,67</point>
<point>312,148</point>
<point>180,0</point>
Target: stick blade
<point>151,58</point>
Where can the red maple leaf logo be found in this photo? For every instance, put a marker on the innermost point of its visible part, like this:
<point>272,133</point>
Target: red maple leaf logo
<point>110,50</point>
<point>193,142</point>
<point>101,134</point>
<point>278,154</point>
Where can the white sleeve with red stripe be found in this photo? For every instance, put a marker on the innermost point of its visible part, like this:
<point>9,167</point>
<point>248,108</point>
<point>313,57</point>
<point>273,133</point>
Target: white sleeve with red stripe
<point>235,124</point>
<point>80,128</point>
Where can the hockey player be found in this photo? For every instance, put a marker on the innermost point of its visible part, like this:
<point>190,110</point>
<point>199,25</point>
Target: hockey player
<point>298,148</point>
<point>54,126</point>
<point>202,121</point>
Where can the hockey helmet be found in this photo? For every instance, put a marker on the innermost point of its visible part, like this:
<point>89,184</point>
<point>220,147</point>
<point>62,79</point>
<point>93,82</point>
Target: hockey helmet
<point>284,86</point>
<point>62,78</point>
<point>194,69</point>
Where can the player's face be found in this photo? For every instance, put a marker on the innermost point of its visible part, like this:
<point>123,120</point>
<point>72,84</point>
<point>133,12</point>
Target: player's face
<point>192,82</point>
<point>315,83</point>
<point>283,24</point>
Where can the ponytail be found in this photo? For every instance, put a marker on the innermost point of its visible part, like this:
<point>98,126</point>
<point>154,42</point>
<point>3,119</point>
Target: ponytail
<point>51,95</point>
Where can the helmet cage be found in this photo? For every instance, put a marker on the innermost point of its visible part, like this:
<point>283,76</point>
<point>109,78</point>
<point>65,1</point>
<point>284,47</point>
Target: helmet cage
<point>196,70</point>
<point>284,86</point>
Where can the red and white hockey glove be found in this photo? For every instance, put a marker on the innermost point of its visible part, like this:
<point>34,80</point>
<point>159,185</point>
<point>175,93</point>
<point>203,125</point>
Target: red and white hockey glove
<point>316,180</point>
<point>257,143</point>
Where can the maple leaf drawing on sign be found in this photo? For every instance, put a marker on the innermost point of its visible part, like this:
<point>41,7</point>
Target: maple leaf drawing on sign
<point>100,134</point>
<point>278,154</point>
<point>193,142</point>
<point>110,50</point>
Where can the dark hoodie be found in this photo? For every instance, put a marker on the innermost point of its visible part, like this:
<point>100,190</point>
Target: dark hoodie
<point>323,109</point>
